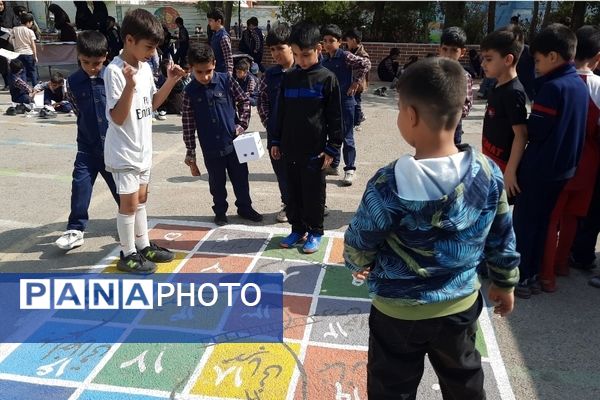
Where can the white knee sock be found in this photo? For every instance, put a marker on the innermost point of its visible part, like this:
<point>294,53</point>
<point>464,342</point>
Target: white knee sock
<point>125,227</point>
<point>141,227</point>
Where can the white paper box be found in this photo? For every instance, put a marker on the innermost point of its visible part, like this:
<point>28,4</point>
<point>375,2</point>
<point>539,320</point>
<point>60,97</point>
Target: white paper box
<point>248,147</point>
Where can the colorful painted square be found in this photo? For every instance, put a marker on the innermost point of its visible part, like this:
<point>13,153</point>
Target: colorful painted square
<point>165,366</point>
<point>339,282</point>
<point>336,255</point>
<point>177,237</point>
<point>295,313</point>
<point>210,263</point>
<point>341,322</point>
<point>229,241</point>
<point>298,277</point>
<point>20,390</point>
<point>262,323</point>
<point>243,371</point>
<point>333,374</point>
<point>98,395</point>
<point>162,268</point>
<point>70,361</point>
<point>274,250</point>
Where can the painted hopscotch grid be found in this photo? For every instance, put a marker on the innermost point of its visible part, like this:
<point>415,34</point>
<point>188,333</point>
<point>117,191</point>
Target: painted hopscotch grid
<point>323,355</point>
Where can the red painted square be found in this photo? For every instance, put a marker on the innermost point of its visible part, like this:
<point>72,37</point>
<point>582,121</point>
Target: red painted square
<point>333,374</point>
<point>210,263</point>
<point>295,312</point>
<point>178,237</point>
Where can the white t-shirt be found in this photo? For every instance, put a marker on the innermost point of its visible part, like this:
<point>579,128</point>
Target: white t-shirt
<point>129,146</point>
<point>23,40</point>
<point>430,178</point>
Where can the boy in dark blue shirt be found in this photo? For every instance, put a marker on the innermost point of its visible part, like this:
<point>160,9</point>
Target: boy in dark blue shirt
<point>268,97</point>
<point>246,80</point>
<point>308,135</point>
<point>350,70</point>
<point>556,130</point>
<point>210,102</point>
<point>85,91</point>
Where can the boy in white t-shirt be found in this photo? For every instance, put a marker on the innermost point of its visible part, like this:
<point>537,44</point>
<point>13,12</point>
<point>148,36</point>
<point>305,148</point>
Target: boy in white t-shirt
<point>23,40</point>
<point>131,97</point>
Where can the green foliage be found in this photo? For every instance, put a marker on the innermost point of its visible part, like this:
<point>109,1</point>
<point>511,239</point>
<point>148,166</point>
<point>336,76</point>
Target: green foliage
<point>407,21</point>
<point>475,22</point>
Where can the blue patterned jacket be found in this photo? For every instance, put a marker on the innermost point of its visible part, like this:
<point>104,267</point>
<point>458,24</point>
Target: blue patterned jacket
<point>424,252</point>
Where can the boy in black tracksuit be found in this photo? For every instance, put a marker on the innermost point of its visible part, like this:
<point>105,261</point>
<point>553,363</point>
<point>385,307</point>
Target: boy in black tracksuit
<point>308,135</point>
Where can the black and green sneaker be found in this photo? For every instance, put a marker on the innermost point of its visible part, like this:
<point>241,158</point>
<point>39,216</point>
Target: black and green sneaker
<point>135,264</point>
<point>157,254</point>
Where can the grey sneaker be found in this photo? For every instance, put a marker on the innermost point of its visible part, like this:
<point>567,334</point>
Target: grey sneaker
<point>70,239</point>
<point>334,171</point>
<point>348,177</point>
<point>282,215</point>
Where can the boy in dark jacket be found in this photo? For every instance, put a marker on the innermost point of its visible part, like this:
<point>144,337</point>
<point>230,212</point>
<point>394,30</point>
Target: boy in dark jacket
<point>308,135</point>
<point>423,226</point>
<point>556,130</point>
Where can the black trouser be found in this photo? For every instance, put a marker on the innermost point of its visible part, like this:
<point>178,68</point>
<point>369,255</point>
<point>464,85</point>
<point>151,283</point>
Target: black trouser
<point>531,216</point>
<point>584,247</point>
<point>306,191</point>
<point>238,175</point>
<point>280,169</point>
<point>397,351</point>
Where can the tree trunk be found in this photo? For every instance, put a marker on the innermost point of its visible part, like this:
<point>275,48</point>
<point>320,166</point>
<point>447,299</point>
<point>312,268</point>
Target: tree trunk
<point>378,19</point>
<point>534,19</point>
<point>454,13</point>
<point>228,10</point>
<point>578,16</point>
<point>491,17</point>
<point>546,13</point>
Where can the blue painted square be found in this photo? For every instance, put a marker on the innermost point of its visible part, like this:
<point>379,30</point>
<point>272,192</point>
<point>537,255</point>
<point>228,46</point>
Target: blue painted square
<point>97,395</point>
<point>20,390</point>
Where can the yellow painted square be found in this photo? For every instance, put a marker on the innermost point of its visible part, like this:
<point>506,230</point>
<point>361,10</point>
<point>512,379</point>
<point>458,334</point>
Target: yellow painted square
<point>248,370</point>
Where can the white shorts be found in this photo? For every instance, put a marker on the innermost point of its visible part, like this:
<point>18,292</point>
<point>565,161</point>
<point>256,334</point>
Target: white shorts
<point>129,181</point>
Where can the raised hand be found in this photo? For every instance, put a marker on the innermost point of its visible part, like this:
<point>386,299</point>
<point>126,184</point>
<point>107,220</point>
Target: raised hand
<point>129,74</point>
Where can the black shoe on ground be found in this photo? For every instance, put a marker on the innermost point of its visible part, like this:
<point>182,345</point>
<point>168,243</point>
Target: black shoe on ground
<point>21,109</point>
<point>11,111</point>
<point>251,215</point>
<point>157,254</point>
<point>221,219</point>
<point>581,266</point>
<point>135,264</point>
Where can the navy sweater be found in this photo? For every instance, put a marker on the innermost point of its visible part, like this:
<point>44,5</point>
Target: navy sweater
<point>556,126</point>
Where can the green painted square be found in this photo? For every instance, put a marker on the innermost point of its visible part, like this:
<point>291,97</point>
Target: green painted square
<point>338,282</point>
<point>274,250</point>
<point>165,366</point>
<point>480,341</point>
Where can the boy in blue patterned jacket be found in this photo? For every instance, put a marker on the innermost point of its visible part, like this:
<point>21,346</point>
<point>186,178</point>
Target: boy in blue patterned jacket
<point>424,224</point>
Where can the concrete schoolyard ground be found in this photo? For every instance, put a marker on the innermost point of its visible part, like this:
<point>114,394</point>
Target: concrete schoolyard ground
<point>548,346</point>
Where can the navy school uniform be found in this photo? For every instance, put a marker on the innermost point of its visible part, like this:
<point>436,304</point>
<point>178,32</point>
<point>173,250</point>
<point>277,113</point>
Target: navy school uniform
<point>88,97</point>
<point>272,78</point>
<point>245,85</point>
<point>214,114</point>
<point>215,43</point>
<point>18,94</point>
<point>337,65</point>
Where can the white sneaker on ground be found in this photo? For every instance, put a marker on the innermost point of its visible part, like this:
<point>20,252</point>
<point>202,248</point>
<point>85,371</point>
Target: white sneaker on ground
<point>348,177</point>
<point>282,215</point>
<point>70,239</point>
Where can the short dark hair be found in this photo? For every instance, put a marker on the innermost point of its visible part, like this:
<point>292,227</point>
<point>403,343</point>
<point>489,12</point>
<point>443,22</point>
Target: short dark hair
<point>179,20</point>
<point>92,44</point>
<point>200,54</point>
<point>434,86</point>
<point>57,78</point>
<point>216,14</point>
<point>331,30</point>
<point>555,37</point>
<point>111,19</point>
<point>16,66</point>
<point>242,65</point>
<point>507,40</point>
<point>305,35</point>
<point>394,51</point>
<point>142,25</point>
<point>280,34</point>
<point>454,36</point>
<point>588,42</point>
<point>353,34</point>
<point>26,18</point>
<point>252,21</point>
<point>19,9</point>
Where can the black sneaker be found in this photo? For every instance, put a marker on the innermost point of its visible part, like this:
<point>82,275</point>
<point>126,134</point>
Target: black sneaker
<point>11,111</point>
<point>21,109</point>
<point>251,215</point>
<point>135,264</point>
<point>157,254</point>
<point>221,219</point>
<point>581,266</point>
